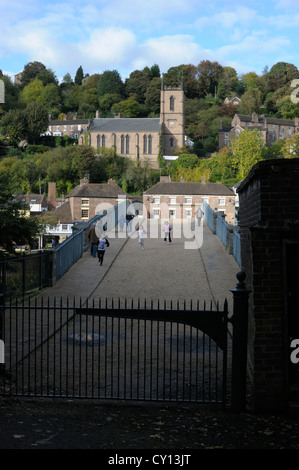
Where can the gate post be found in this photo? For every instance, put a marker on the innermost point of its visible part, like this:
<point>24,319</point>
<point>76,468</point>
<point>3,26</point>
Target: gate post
<point>239,346</point>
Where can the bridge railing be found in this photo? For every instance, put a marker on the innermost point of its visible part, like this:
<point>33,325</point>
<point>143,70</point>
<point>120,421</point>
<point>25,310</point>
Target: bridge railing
<point>228,234</point>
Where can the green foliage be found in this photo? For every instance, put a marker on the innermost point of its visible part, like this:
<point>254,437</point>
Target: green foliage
<point>247,149</point>
<point>16,228</point>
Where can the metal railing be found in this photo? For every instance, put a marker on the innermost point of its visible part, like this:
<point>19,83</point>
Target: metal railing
<point>24,274</point>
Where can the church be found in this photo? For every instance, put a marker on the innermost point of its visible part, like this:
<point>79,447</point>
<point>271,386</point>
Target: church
<point>142,139</point>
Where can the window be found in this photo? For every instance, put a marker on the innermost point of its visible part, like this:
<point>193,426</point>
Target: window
<point>72,128</point>
<point>57,128</point>
<point>122,142</point>
<point>85,202</point>
<point>150,144</point>
<point>156,200</point>
<point>221,201</point>
<point>144,144</point>
<point>50,128</point>
<point>188,213</point>
<point>64,127</point>
<point>248,123</point>
<point>156,213</point>
<point>188,200</point>
<point>103,141</point>
<point>98,141</point>
<point>171,142</point>
<point>84,214</point>
<point>64,226</point>
<point>171,103</point>
<point>172,200</point>
<point>127,144</point>
<point>79,127</point>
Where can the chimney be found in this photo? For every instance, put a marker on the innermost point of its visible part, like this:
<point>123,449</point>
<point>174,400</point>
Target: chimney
<point>97,114</point>
<point>203,179</point>
<point>117,116</point>
<point>254,118</point>
<point>84,181</point>
<point>111,181</point>
<point>51,201</point>
<point>182,180</point>
<point>165,179</point>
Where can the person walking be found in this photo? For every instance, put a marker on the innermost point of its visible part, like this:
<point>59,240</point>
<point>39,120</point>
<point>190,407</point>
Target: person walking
<point>141,234</point>
<point>93,240</point>
<point>121,223</point>
<point>103,243</point>
<point>167,232</point>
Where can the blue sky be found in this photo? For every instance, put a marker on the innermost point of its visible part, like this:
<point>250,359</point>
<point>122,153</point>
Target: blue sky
<point>127,35</point>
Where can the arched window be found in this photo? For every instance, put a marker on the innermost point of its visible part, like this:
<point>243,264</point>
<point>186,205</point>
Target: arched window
<point>98,141</point>
<point>122,142</point>
<point>103,141</point>
<point>150,144</point>
<point>171,103</point>
<point>171,142</point>
<point>127,144</point>
<point>144,144</point>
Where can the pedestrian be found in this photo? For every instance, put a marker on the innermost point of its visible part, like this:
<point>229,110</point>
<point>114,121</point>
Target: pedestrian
<point>103,243</point>
<point>167,232</point>
<point>141,234</point>
<point>129,220</point>
<point>93,240</point>
<point>121,223</point>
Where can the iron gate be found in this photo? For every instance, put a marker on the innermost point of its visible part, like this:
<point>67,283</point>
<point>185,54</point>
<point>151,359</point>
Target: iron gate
<point>115,351</point>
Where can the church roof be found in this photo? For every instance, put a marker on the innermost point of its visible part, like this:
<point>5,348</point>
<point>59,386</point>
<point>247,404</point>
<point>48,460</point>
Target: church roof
<point>125,125</point>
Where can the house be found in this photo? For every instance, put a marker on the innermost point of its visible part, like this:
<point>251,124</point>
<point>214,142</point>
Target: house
<point>37,203</point>
<point>181,200</point>
<point>142,138</point>
<point>59,224</point>
<point>69,127</point>
<point>272,129</point>
<point>235,100</point>
<point>88,199</point>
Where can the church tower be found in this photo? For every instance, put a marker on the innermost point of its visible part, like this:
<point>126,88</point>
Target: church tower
<point>172,118</point>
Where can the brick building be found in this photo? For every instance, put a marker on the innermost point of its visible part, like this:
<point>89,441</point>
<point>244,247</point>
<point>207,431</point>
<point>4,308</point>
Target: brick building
<point>88,198</point>
<point>269,227</point>
<point>171,200</point>
<point>69,127</point>
<point>272,129</point>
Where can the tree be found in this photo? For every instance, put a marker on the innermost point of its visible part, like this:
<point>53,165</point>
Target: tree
<point>137,84</point>
<point>251,101</point>
<point>37,120</point>
<point>128,108</point>
<point>15,227</point>
<point>79,76</point>
<point>13,125</point>
<point>110,82</point>
<point>247,150</point>
<point>290,148</point>
<point>209,75</point>
<point>37,70</point>
<point>152,96</point>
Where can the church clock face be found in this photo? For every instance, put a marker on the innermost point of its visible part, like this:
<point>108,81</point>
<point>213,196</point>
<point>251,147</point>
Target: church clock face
<point>171,124</point>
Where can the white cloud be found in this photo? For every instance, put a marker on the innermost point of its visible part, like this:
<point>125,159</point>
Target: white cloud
<point>107,47</point>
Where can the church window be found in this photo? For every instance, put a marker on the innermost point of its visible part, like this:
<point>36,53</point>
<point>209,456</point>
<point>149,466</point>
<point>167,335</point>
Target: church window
<point>103,141</point>
<point>127,144</point>
<point>171,103</point>
<point>98,141</point>
<point>144,144</point>
<point>171,141</point>
<point>150,144</point>
<point>122,140</point>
